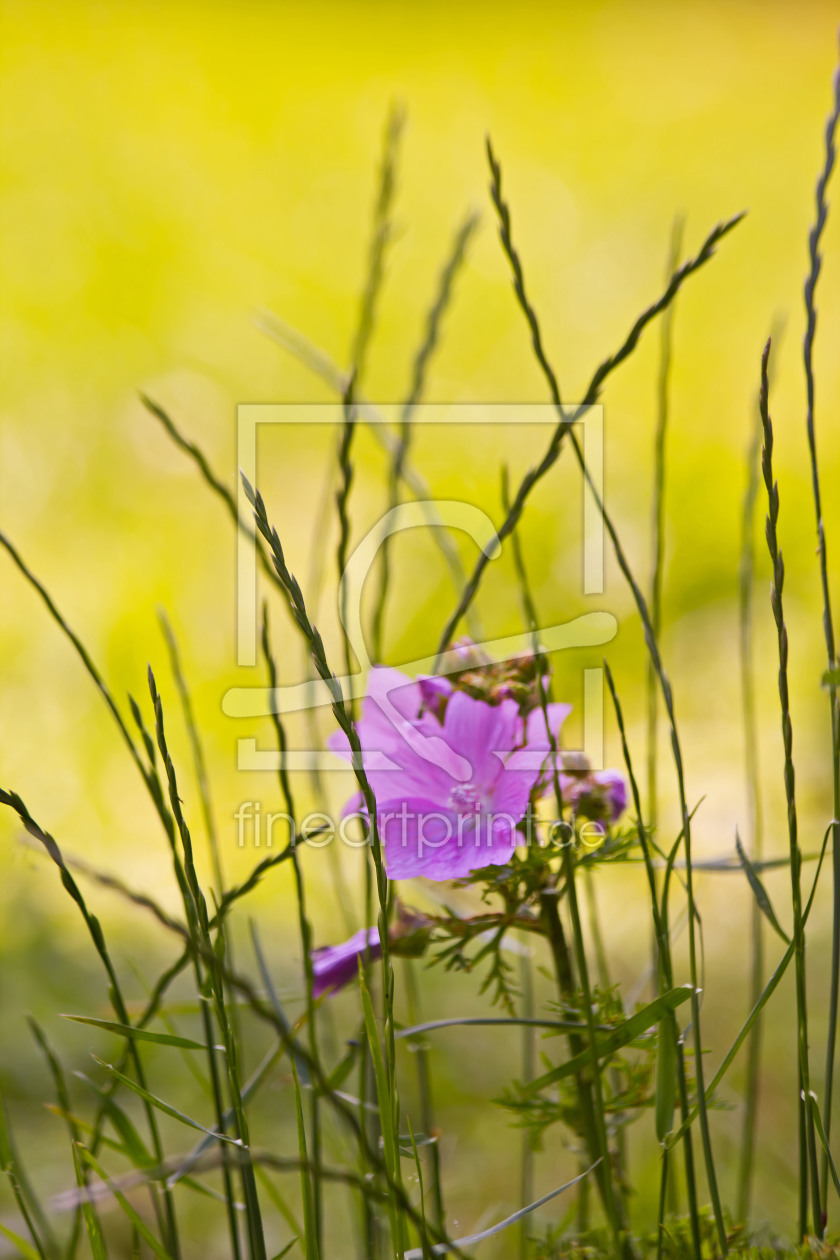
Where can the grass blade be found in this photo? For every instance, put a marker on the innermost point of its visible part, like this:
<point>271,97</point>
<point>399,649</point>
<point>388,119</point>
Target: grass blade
<point>162,1106</point>
<point>140,1034</point>
<point>133,1215</point>
<point>614,1041</point>
<point>473,1239</point>
<point>91,1219</point>
<point>760,892</point>
<point>310,1236</point>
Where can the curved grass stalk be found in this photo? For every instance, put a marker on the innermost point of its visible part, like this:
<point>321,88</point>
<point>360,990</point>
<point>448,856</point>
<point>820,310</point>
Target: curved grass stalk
<point>166,1219</point>
<point>198,924</point>
<point>565,428</point>
<point>808,1174</point>
<point>584,1051</point>
<point>593,390</point>
<point>815,261</point>
<point>343,717</point>
<point>396,471</point>
<point>305,932</point>
<point>668,1028</point>
<point>658,523</point>
<point>328,371</point>
<point>746,577</point>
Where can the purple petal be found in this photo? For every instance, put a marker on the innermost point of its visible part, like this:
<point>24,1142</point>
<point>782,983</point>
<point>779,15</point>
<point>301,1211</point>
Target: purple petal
<point>336,965</point>
<point>536,730</point>
<point>423,839</point>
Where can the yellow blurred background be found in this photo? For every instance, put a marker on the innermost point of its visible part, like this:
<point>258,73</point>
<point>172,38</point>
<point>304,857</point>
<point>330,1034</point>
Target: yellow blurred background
<point>168,171</point>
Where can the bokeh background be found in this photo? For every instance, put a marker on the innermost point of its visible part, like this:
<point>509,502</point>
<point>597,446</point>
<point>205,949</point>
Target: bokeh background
<point>168,171</point>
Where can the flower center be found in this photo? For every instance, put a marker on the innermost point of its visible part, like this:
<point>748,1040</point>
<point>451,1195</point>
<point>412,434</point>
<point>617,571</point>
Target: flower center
<point>464,796</point>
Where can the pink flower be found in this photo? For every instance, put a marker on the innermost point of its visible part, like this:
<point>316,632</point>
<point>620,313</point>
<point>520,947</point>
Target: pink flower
<point>452,781</point>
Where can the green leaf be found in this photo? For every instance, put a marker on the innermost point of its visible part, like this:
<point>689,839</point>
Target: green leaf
<point>94,1231</point>
<point>818,1125</point>
<point>767,993</point>
<point>134,1146</point>
<point>26,1249</point>
<point>134,1216</point>
<point>807,910</point>
<point>666,1078</point>
<point>831,678</point>
<point>309,1234</point>
<point>441,1249</point>
<point>285,1251</point>
<point>759,891</point>
<point>615,1040</point>
<point>163,1106</point>
<point>383,1094</point>
<point>558,1025</point>
<point>140,1034</point>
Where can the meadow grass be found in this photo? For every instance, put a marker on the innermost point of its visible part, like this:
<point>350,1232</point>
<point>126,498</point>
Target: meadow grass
<point>618,1062</point>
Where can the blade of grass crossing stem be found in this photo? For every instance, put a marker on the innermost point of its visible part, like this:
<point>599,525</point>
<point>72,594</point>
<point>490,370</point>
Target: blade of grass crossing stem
<point>534,475</point>
<point>821,1134</point>
<point>278,1201</point>
<point>526,1158</point>
<point>590,1092</point>
<point>164,1107</point>
<point>28,1205</point>
<point>63,1109</point>
<point>310,1237</point>
<point>755,1013</point>
<point>618,1038</point>
<point>114,988</point>
<point>91,1219</point>
<point>133,1215</point>
<point>196,909</point>
<point>815,264</point>
<point>386,1110</point>
<point>418,1166</point>
<point>123,1126</point>
<point>565,427</point>
<point>344,718</point>
<point>425,1087</point>
<point>304,928</point>
<point>474,1239</point>
<point>664,1104</point>
<point>808,1172</point>
<point>285,1251</point>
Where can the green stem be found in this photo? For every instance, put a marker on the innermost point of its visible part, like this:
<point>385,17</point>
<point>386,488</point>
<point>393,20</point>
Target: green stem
<point>807,1137</point>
